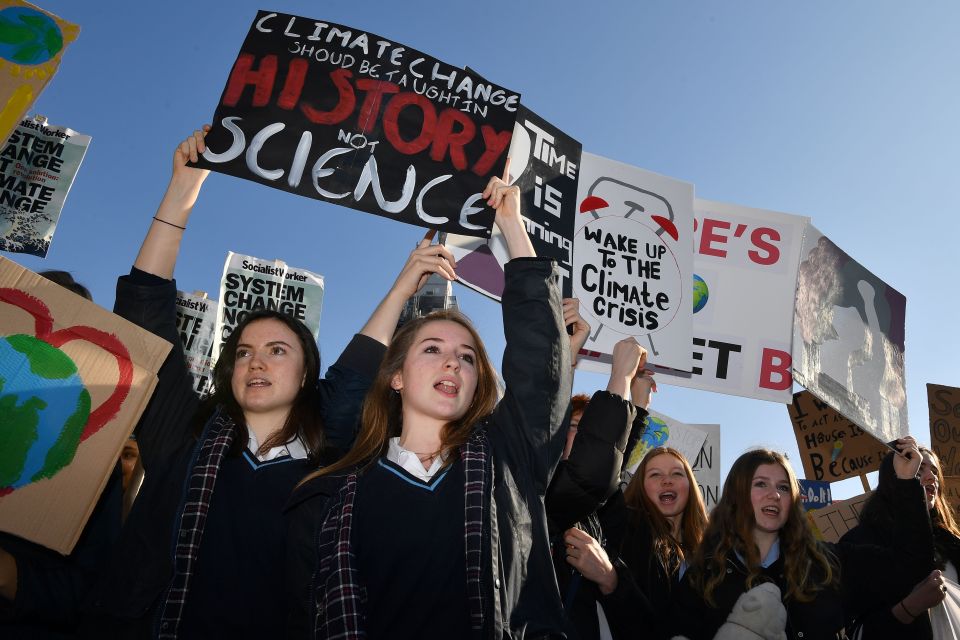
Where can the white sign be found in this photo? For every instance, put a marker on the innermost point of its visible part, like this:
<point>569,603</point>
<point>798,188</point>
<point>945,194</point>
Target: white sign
<point>848,339</point>
<point>706,467</point>
<point>745,276</point>
<point>196,320</point>
<point>633,262</point>
<point>250,284</point>
<point>663,431</point>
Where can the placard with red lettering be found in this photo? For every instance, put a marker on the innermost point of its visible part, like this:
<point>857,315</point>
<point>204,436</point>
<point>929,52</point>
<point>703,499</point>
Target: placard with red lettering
<point>848,338</point>
<point>633,262</point>
<point>338,114</point>
<point>744,277</point>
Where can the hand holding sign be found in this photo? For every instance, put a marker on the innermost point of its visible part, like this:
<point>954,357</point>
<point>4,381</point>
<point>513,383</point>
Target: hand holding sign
<point>426,259</point>
<point>907,461</point>
<point>581,329</point>
<point>505,198</point>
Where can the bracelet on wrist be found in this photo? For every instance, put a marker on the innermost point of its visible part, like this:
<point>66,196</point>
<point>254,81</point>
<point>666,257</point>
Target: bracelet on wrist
<point>907,611</point>
<point>169,223</point>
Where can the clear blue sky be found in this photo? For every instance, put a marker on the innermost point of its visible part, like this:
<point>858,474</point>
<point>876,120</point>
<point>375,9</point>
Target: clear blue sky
<point>842,111</point>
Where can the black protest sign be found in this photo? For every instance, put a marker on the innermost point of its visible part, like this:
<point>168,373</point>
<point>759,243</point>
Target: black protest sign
<point>945,426</point>
<point>338,114</point>
<point>544,165</point>
<point>831,447</point>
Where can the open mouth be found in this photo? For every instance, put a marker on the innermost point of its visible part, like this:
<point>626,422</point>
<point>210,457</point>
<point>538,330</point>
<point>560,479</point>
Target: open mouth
<point>258,382</point>
<point>667,497</point>
<point>931,490</point>
<point>771,511</point>
<point>447,387</point>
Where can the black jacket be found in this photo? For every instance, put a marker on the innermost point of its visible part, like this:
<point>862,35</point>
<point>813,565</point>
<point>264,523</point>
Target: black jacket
<point>582,484</point>
<point>871,603</point>
<point>526,435</point>
<point>141,568</point>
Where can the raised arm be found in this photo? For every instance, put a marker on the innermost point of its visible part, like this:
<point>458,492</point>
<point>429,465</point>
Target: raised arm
<point>158,253</point>
<point>347,381</point>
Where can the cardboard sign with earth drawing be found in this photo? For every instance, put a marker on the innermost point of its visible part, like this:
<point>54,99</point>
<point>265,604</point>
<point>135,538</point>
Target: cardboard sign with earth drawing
<point>74,380</point>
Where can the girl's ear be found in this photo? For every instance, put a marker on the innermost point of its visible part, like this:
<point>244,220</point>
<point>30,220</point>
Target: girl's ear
<point>396,382</point>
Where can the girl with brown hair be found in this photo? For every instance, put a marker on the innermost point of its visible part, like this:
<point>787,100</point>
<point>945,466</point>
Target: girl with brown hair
<point>759,533</point>
<point>434,525</point>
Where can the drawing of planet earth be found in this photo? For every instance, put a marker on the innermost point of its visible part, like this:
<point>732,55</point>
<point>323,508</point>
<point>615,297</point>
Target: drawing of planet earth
<point>45,408</point>
<point>700,293</point>
<point>656,432</point>
<point>28,36</point>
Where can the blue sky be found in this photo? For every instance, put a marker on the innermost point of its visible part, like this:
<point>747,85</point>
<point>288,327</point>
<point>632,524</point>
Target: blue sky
<point>842,111</point>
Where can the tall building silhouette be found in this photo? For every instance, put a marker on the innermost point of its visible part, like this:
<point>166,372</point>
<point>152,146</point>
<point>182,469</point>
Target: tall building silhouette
<point>436,293</point>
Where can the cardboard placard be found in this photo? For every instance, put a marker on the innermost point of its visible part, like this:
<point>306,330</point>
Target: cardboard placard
<point>37,167</point>
<point>544,164</point>
<point>848,338</point>
<point>743,259</point>
<point>831,447</point>
<point>661,430</point>
<point>952,493</point>
<point>633,263</point>
<point>945,426</point>
<point>74,380</point>
<point>830,523</point>
<point>31,48</point>
<point>335,113</point>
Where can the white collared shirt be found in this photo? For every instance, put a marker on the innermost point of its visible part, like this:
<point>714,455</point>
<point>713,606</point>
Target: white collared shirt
<point>410,463</point>
<point>293,448</point>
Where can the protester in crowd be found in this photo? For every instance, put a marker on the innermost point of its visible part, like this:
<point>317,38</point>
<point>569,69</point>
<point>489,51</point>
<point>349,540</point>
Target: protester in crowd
<point>589,475</point>
<point>201,555</point>
<point>664,519</point>
<point>759,533</point>
<point>436,525</point>
<point>903,608</point>
<point>42,592</point>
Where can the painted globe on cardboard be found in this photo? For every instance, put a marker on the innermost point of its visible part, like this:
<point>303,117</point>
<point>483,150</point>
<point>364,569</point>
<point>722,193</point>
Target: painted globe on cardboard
<point>700,293</point>
<point>45,408</point>
<point>28,36</point>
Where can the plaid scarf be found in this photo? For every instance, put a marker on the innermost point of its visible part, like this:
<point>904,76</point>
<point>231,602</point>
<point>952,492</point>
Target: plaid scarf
<point>339,594</point>
<point>214,444</point>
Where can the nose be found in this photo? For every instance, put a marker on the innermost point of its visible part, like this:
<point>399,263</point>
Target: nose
<point>452,362</point>
<point>255,361</point>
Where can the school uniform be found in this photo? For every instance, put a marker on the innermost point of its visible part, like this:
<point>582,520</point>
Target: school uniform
<point>202,551</point>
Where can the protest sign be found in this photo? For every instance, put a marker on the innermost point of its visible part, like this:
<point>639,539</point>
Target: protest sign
<point>848,339</point>
<point>945,426</point>
<point>663,431</point>
<point>706,466</point>
<point>745,275</point>
<point>633,262</point>
<point>37,168</point>
<point>74,380</point>
<point>952,493</point>
<point>831,447</point>
<point>815,494</point>
<point>250,283</point>
<point>338,114</point>
<point>32,42</point>
<point>544,163</point>
<point>196,321</point>
<point>830,523</point>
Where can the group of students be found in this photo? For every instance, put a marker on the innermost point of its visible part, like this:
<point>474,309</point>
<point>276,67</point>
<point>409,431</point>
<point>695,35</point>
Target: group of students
<point>404,494</point>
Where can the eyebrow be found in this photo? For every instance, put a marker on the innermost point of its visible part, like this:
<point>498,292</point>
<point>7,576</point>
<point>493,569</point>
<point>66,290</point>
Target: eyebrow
<point>770,479</point>
<point>465,346</point>
<point>269,344</point>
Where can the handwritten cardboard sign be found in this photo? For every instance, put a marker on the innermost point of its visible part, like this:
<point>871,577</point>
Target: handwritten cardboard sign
<point>336,113</point>
<point>830,523</point>
<point>831,447</point>
<point>945,426</point>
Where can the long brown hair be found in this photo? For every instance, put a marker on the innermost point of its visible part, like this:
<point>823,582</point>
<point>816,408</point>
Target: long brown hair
<point>808,567</point>
<point>941,514</point>
<point>383,407</point>
<point>693,521</point>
